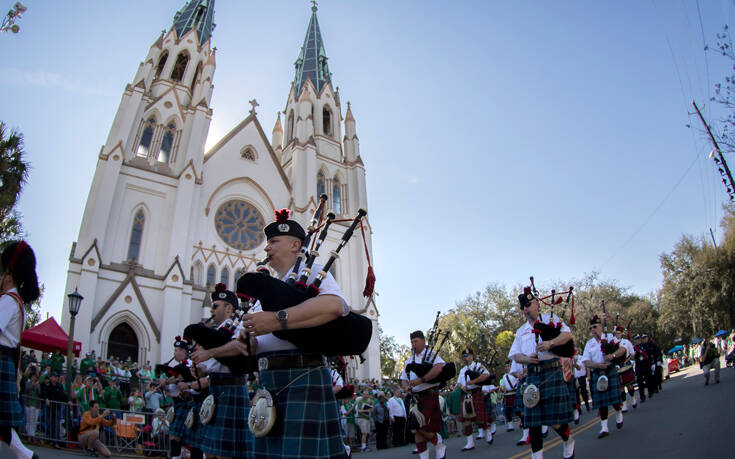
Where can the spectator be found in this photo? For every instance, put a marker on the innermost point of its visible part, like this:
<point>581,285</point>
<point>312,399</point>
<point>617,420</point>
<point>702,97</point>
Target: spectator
<point>136,402</point>
<point>351,426</point>
<point>91,391</point>
<point>153,397</point>
<point>46,360</point>
<point>380,415</point>
<point>45,374</point>
<point>86,366</point>
<point>397,412</point>
<point>113,396</point>
<point>57,362</point>
<point>710,359</point>
<point>77,384</point>
<point>160,428</point>
<point>145,375</point>
<point>89,429</point>
<point>32,402</point>
<point>364,407</point>
<point>54,396</point>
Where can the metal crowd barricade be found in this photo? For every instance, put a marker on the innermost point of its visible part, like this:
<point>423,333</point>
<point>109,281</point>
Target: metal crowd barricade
<point>58,424</point>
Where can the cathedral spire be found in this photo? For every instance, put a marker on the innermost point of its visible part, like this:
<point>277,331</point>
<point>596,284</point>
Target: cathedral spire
<point>198,15</point>
<point>312,60</point>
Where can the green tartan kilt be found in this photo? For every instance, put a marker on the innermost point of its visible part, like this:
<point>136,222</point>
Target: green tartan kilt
<point>181,409</point>
<point>194,437</point>
<point>307,424</point>
<point>611,396</point>
<point>554,406</point>
<point>13,415</point>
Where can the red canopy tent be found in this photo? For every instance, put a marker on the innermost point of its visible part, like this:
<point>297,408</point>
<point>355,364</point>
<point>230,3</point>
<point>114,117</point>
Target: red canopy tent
<point>48,336</point>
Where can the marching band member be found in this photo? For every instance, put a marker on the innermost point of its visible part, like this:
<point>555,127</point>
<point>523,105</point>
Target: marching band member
<point>581,374</point>
<point>307,420</point>
<point>427,395</point>
<point>630,354</point>
<point>470,379</point>
<point>601,364</point>
<point>18,285</point>
<point>508,384</point>
<point>337,385</point>
<point>182,402</point>
<point>642,367</point>
<point>544,371</point>
<point>227,434</point>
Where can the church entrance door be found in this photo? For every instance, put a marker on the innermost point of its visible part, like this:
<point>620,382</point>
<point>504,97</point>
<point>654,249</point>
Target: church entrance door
<point>123,343</point>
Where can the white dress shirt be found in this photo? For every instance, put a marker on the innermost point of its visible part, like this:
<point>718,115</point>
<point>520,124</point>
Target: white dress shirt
<point>628,347</point>
<point>396,408</point>
<point>419,358</point>
<point>525,340</point>
<point>593,351</point>
<point>508,382</point>
<point>463,377</point>
<point>582,371</point>
<point>11,318</point>
<point>329,286</point>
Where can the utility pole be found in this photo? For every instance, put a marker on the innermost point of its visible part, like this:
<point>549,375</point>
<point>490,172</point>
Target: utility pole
<point>719,159</point>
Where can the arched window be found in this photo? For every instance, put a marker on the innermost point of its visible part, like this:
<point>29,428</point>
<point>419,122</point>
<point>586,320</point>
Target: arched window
<point>289,127</point>
<point>224,276</point>
<point>180,67</point>
<point>145,139</point>
<point>336,196</point>
<point>161,65</point>
<point>196,273</point>
<point>136,235</point>
<point>196,75</point>
<point>164,153</point>
<point>327,121</point>
<point>321,184</point>
<point>210,276</point>
<point>123,343</point>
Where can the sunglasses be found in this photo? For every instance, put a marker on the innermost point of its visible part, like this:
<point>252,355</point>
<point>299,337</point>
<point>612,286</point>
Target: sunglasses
<point>464,354</point>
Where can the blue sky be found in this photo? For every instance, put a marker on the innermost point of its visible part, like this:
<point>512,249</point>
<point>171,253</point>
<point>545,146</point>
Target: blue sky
<point>501,139</point>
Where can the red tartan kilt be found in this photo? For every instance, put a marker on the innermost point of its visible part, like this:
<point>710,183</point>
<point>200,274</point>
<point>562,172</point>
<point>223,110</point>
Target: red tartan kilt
<point>429,407</point>
<point>509,400</point>
<point>481,413</point>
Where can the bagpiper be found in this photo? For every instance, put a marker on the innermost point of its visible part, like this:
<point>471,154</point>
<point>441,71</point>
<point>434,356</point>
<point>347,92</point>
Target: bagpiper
<point>474,408</point>
<point>546,396</point>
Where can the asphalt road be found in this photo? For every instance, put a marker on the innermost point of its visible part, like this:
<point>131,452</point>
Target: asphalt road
<point>686,420</point>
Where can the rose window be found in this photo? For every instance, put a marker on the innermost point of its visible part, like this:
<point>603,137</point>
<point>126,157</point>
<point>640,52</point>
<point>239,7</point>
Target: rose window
<point>239,224</point>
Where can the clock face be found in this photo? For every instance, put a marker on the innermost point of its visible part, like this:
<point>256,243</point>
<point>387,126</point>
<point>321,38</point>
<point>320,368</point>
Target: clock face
<point>239,224</point>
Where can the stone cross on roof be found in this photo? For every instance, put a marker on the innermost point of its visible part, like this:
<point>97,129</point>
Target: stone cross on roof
<point>254,104</point>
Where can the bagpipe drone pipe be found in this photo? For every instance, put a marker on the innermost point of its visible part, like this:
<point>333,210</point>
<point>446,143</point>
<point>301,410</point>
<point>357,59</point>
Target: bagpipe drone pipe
<point>449,369</point>
<point>472,374</point>
<point>609,346</point>
<point>346,335</point>
<point>550,330</point>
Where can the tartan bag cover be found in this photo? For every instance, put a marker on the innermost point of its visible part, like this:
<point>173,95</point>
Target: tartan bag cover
<point>307,420</point>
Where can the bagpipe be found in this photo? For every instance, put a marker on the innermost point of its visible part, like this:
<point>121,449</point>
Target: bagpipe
<point>345,335</point>
<point>473,374</point>
<point>181,369</point>
<point>550,330</point>
<point>210,337</point>
<point>448,371</point>
<point>609,346</point>
<point>340,366</point>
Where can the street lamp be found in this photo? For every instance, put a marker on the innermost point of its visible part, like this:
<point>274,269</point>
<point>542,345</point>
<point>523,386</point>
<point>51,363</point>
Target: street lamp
<point>75,300</point>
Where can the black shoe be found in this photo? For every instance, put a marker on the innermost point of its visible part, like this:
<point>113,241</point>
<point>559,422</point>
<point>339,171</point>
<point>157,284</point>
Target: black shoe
<point>619,425</point>
<point>546,434</point>
<point>35,456</point>
<point>520,443</point>
<point>56,446</point>
<point>602,434</point>
<point>576,421</point>
<point>717,382</point>
<point>467,449</point>
<point>415,451</point>
<point>490,442</point>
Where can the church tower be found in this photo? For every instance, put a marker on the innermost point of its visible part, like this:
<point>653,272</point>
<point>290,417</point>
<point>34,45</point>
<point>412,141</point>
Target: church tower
<point>319,156</point>
<point>134,243</point>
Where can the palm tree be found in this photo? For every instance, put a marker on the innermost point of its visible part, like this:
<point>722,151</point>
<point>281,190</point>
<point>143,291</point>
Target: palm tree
<point>13,175</point>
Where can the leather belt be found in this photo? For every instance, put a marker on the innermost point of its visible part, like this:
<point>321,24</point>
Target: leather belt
<point>543,365</point>
<point>284,362</point>
<point>226,379</point>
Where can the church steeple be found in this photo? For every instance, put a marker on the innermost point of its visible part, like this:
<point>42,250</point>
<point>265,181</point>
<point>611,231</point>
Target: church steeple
<point>196,14</point>
<point>312,60</point>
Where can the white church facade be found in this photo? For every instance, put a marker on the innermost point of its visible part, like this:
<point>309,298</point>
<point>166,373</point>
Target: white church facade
<point>165,220</point>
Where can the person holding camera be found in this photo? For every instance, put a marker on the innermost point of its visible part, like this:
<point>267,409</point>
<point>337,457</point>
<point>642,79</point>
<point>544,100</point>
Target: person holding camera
<point>90,392</point>
<point>89,434</point>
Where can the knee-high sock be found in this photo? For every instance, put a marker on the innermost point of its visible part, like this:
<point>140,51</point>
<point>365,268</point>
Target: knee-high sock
<point>17,446</point>
<point>537,438</point>
<point>563,431</point>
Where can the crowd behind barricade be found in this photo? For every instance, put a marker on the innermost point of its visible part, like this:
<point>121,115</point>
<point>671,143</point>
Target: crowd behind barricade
<point>114,404</point>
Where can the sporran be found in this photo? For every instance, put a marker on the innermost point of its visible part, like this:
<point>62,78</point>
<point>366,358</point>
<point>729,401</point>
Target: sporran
<point>602,383</point>
<point>262,414</point>
<point>209,407</point>
<point>531,395</point>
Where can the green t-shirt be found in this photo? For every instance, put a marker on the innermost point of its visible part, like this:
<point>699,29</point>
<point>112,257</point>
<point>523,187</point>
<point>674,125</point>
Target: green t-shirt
<point>113,398</point>
<point>363,404</point>
<point>57,363</point>
<point>86,366</point>
<point>350,412</point>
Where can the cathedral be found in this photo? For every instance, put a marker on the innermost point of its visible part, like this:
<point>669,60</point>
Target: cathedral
<point>166,220</point>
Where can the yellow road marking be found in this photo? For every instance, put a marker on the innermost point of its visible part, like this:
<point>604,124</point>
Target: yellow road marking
<point>557,440</point>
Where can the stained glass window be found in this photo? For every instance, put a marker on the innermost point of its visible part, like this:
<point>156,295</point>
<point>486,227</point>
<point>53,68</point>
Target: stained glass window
<point>336,196</point>
<point>327,121</point>
<point>167,144</point>
<point>136,235</point>
<point>321,186</point>
<point>240,225</point>
<point>161,64</point>
<point>196,76</point>
<point>210,276</point>
<point>224,276</point>
<point>289,127</point>
<point>146,138</point>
